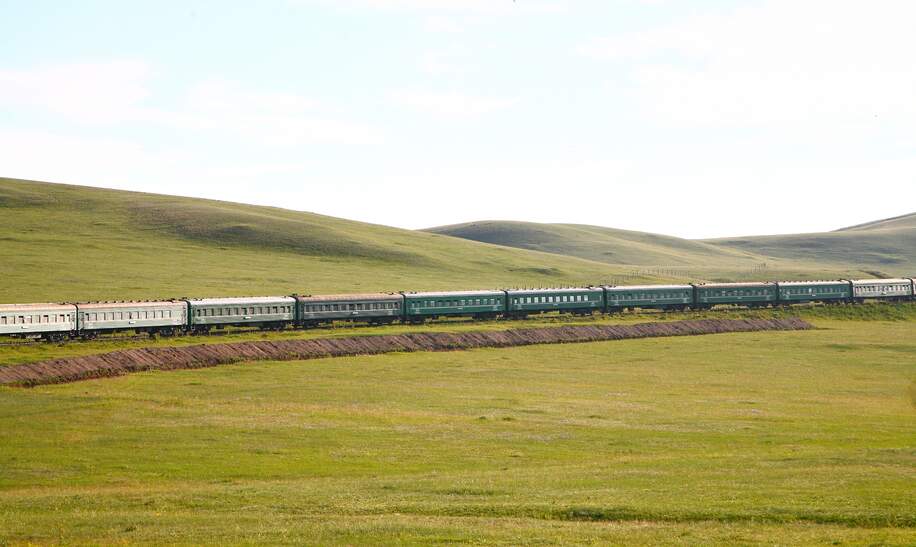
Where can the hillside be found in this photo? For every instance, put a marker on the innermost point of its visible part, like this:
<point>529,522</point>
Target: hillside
<point>883,247</point>
<point>903,222</point>
<point>880,248</point>
<point>70,242</point>
<point>596,243</point>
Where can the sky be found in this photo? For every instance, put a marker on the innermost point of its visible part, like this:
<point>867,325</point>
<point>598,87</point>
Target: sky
<point>700,118</point>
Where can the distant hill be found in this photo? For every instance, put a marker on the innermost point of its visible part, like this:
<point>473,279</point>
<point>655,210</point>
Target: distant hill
<point>885,247</point>
<point>903,222</point>
<point>597,243</point>
<point>70,242</point>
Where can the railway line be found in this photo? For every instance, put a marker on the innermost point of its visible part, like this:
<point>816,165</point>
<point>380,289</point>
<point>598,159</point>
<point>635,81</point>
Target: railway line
<point>56,322</point>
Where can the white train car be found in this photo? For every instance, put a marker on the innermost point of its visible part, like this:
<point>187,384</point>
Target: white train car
<point>882,289</point>
<point>48,321</point>
<point>254,311</point>
<point>167,317</point>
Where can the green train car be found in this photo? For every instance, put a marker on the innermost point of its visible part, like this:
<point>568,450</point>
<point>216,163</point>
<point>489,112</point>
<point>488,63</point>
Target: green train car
<point>797,292</point>
<point>258,311</point>
<point>419,306</point>
<point>584,300</point>
<point>649,296</point>
<point>747,294</point>
<point>374,308</point>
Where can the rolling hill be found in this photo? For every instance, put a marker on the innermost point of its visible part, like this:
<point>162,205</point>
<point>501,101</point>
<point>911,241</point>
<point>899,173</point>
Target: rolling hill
<point>77,243</point>
<point>903,222</point>
<point>597,243</point>
<point>880,248</point>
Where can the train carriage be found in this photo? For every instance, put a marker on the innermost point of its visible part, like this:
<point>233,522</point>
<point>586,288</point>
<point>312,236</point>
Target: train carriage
<point>49,321</point>
<point>374,308</point>
<point>747,294</point>
<point>882,289</point>
<point>258,311</point>
<point>167,317</point>
<point>580,300</point>
<point>648,296</point>
<point>798,292</point>
<point>419,306</point>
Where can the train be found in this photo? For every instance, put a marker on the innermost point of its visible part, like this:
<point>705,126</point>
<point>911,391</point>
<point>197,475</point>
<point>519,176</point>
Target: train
<point>62,321</point>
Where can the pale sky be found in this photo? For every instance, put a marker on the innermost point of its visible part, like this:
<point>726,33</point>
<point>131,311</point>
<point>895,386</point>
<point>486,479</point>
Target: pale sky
<point>697,118</point>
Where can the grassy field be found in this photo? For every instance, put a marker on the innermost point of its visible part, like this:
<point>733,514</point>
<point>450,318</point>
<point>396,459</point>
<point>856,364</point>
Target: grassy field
<point>801,437</point>
<point>76,243</point>
<point>883,248</point>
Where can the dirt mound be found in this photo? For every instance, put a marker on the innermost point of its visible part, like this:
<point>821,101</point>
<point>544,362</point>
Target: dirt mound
<point>121,362</point>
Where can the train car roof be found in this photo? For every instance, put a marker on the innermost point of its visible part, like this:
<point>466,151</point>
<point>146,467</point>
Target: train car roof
<point>51,306</point>
<point>879,281</point>
<point>242,300</point>
<point>646,287</point>
<point>349,297</point>
<point>824,282</point>
<point>553,290</point>
<point>743,284</point>
<point>450,294</point>
<point>139,304</point>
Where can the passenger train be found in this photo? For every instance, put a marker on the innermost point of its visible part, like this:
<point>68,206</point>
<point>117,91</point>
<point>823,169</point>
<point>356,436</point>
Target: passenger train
<point>198,316</point>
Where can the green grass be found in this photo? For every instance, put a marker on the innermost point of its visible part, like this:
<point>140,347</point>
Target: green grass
<point>799,437</point>
<point>74,243</point>
<point>883,248</point>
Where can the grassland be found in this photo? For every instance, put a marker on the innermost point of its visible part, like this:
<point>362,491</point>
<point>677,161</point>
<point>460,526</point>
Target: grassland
<point>785,438</point>
<point>74,243</point>
<point>598,243</point>
<point>882,248</point>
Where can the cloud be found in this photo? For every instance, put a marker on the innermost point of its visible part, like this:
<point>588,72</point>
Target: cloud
<point>775,62</point>
<point>486,7</point>
<point>173,170</point>
<point>440,24</point>
<point>277,119</point>
<point>446,61</point>
<point>95,92</point>
<point>451,104</point>
<point>120,92</point>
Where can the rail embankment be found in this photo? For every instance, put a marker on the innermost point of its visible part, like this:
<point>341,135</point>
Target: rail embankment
<point>117,363</point>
